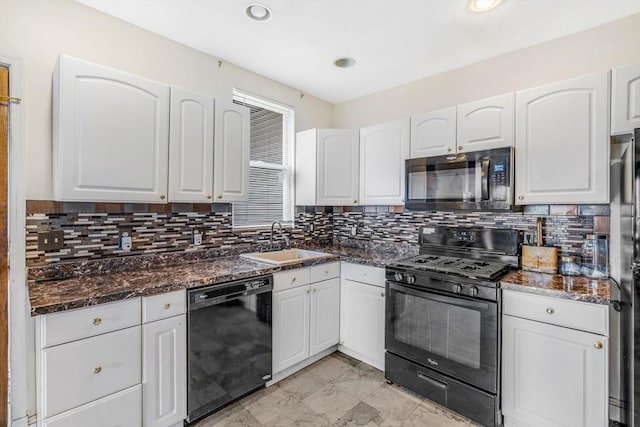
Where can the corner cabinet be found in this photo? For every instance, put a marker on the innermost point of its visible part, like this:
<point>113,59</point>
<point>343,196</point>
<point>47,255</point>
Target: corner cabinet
<point>110,134</point>
<point>562,142</point>
<point>383,150</point>
<point>327,167</point>
<point>190,147</point>
<point>231,152</point>
<point>625,104</point>
<point>554,362</point>
<point>362,305</point>
<point>434,133</point>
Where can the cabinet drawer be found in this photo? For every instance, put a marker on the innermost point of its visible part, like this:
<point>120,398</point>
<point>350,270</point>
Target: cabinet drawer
<point>162,306</point>
<point>363,273</point>
<point>85,370</point>
<point>325,271</point>
<point>290,279</point>
<point>571,314</point>
<point>72,325</point>
<point>117,410</point>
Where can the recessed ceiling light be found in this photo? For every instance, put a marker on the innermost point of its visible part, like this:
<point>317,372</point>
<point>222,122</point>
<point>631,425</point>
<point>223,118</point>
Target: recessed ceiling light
<point>344,62</point>
<point>483,5</point>
<point>258,12</point>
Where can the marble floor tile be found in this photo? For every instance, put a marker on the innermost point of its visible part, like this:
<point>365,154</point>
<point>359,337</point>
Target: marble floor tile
<point>271,405</point>
<point>303,383</point>
<point>331,401</point>
<point>392,402</point>
<point>360,381</point>
<point>346,359</point>
<point>300,415</point>
<point>329,368</point>
<point>364,415</point>
<point>231,416</point>
<point>428,414</point>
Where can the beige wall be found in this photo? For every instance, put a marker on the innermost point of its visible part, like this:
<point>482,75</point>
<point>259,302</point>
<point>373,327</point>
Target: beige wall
<point>37,31</point>
<point>598,49</point>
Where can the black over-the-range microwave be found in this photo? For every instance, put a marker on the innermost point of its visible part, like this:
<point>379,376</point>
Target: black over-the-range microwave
<point>480,180</point>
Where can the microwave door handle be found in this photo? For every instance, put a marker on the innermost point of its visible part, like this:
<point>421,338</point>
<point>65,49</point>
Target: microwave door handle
<point>484,173</point>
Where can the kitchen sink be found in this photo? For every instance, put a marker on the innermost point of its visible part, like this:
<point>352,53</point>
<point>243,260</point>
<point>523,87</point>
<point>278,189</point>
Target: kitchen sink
<point>287,256</point>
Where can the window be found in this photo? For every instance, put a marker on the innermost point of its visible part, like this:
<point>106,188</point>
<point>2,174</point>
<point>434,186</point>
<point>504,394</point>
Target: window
<point>270,165</point>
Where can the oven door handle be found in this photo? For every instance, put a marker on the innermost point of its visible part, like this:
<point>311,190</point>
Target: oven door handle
<point>429,294</point>
<point>432,381</point>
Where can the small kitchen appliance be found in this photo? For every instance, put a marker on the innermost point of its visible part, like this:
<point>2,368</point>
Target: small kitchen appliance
<point>443,318</point>
<point>479,180</point>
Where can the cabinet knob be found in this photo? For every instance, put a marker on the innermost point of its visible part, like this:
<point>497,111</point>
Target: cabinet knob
<point>550,310</point>
<point>382,294</point>
<point>598,345</point>
<point>449,149</point>
<point>97,321</point>
<point>97,369</point>
<point>520,197</point>
<point>355,201</point>
<point>293,279</point>
<point>307,290</point>
<point>167,306</point>
<point>219,196</point>
<point>460,148</point>
<point>209,196</point>
<point>162,197</point>
<point>315,290</point>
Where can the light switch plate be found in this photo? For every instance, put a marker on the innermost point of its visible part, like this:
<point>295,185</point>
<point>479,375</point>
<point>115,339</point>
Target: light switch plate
<point>125,240</point>
<point>51,240</point>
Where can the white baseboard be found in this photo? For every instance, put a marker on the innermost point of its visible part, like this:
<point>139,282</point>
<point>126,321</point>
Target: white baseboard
<point>361,357</point>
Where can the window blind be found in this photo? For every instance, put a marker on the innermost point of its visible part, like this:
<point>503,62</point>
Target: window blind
<point>270,174</point>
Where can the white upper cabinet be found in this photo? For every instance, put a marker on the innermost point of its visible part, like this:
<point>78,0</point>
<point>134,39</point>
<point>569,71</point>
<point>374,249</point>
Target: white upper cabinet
<point>433,134</point>
<point>110,134</point>
<point>231,156</point>
<point>625,104</point>
<point>190,147</point>
<point>562,142</point>
<point>383,150</point>
<point>327,167</point>
<point>486,124</point>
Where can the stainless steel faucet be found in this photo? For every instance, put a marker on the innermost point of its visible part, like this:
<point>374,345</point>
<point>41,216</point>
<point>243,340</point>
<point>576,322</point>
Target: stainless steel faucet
<point>284,236</point>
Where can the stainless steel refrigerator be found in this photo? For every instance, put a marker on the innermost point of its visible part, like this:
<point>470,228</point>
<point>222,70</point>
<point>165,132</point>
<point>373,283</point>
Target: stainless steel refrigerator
<point>624,258</point>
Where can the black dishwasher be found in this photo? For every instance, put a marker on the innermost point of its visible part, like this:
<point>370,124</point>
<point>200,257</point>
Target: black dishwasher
<point>229,343</point>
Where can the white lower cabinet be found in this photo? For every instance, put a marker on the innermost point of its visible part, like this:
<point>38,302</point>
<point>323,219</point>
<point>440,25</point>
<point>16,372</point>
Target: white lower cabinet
<point>164,380</point>
<point>362,314</point>
<point>306,316</point>
<point>553,376</point>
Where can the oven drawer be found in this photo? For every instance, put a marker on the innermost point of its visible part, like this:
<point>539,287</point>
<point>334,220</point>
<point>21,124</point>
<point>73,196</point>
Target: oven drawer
<point>325,271</point>
<point>475,404</point>
<point>578,315</point>
<point>363,274</point>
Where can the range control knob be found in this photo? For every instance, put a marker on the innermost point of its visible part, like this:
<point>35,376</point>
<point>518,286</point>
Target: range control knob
<point>456,288</point>
<point>411,279</point>
<point>398,276</point>
<point>473,291</point>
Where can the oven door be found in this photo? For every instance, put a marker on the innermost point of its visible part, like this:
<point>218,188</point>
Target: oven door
<point>454,335</point>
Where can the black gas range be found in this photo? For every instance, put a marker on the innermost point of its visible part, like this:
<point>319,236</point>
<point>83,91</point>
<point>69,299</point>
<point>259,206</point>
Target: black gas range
<point>442,330</point>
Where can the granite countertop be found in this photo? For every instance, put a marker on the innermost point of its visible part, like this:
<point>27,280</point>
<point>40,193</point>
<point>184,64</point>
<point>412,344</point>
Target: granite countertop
<point>82,290</point>
<point>576,288</point>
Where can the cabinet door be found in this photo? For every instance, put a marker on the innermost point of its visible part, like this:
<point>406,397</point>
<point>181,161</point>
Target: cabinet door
<point>290,327</point>
<point>190,147</point>
<point>110,135</point>
<point>337,179</point>
<point>325,315</point>
<point>625,103</point>
<point>231,157</point>
<point>164,382</point>
<point>562,142</point>
<point>433,134</point>
<point>553,376</point>
<point>486,124</point>
<point>362,321</point>
<point>383,150</point>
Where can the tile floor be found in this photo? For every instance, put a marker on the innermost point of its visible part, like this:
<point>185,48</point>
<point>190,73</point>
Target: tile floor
<point>335,391</point>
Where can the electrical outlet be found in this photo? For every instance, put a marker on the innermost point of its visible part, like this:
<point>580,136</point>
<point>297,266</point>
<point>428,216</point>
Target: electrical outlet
<point>197,236</point>
<point>125,239</point>
<point>51,240</point>
<point>354,230</point>
<point>311,228</point>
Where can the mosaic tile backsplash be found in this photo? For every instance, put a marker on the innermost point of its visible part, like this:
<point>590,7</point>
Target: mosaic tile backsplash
<point>91,230</point>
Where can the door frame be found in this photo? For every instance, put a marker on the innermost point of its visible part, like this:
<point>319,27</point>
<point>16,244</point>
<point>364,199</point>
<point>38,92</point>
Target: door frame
<point>21,326</point>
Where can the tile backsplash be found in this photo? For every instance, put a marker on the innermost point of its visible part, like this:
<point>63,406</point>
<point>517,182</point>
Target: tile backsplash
<point>91,230</point>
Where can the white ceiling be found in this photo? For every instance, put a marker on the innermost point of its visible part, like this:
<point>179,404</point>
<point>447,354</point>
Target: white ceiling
<point>393,41</point>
